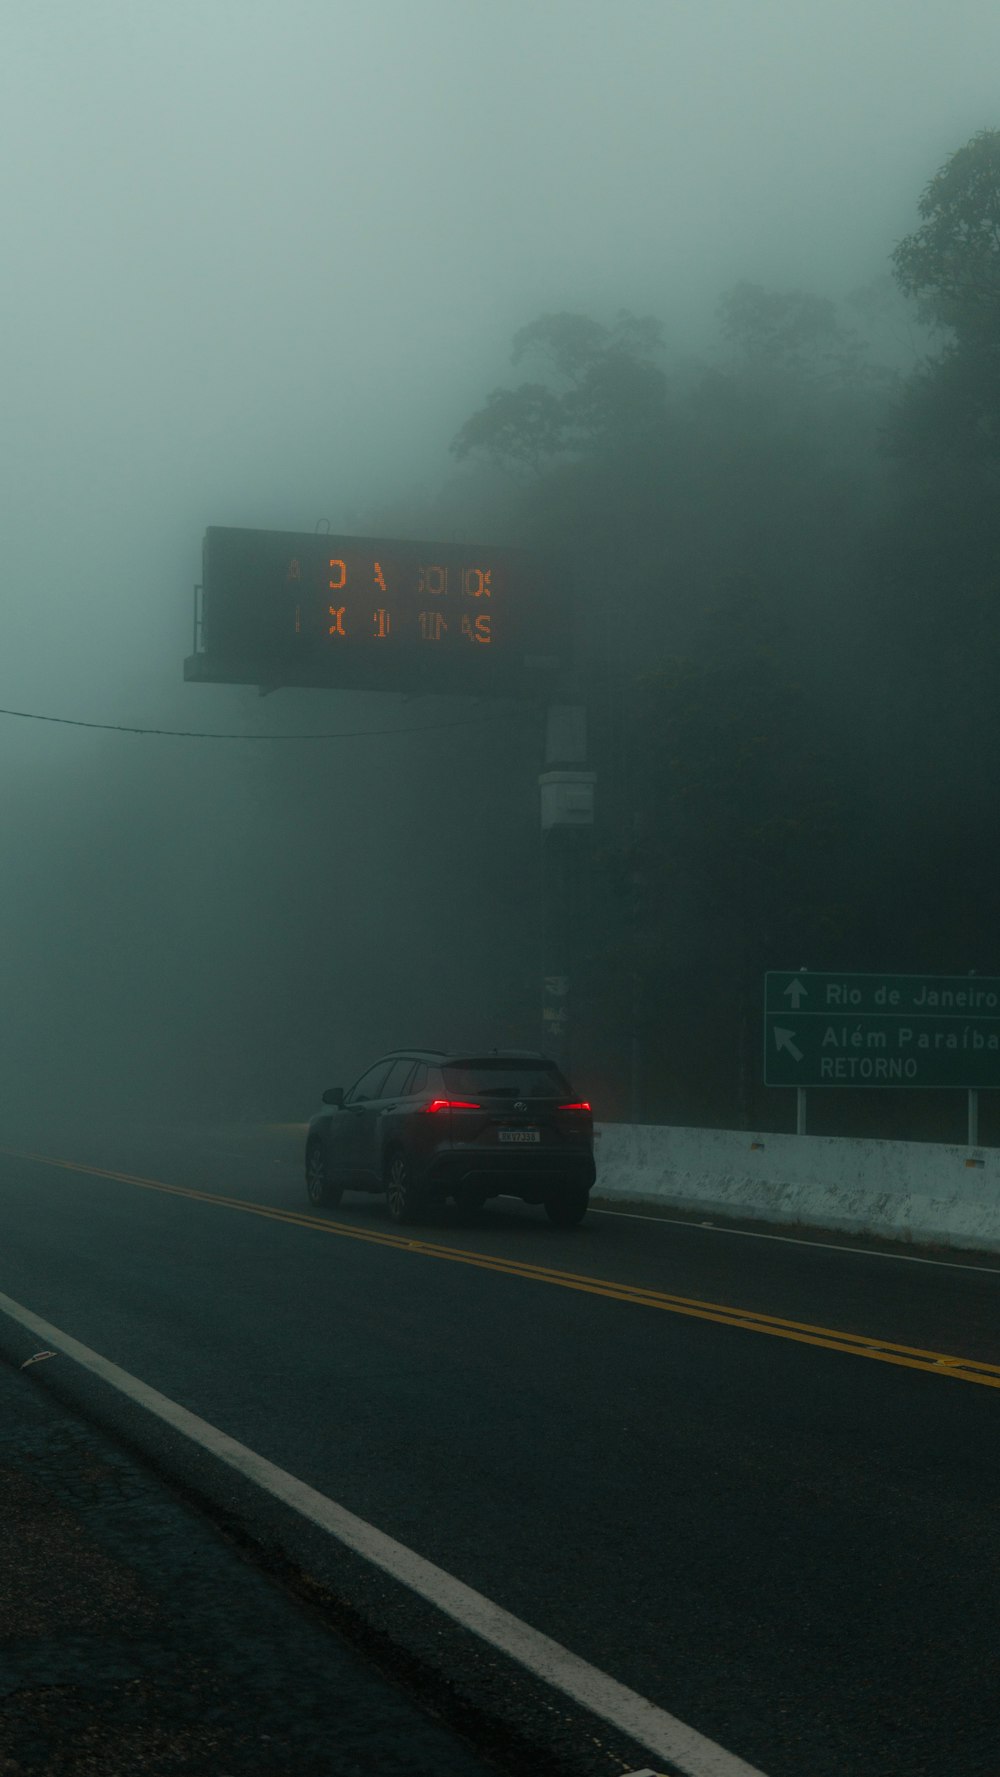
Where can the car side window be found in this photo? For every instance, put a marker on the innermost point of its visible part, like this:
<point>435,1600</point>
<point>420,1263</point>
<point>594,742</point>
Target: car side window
<point>369,1085</point>
<point>395,1081</point>
<point>417,1081</point>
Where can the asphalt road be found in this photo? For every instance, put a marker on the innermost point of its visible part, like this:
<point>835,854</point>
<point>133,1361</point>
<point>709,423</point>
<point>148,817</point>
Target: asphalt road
<point>743,1477</point>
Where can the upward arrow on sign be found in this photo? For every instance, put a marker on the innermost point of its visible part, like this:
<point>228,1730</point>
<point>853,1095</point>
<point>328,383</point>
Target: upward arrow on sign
<point>796,992</point>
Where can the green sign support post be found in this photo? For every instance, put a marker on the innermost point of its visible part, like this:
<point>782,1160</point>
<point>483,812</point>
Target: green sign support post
<point>871,1030</point>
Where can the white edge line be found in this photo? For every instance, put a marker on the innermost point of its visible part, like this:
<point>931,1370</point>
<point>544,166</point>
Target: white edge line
<point>652,1727</point>
<point>828,1246</point>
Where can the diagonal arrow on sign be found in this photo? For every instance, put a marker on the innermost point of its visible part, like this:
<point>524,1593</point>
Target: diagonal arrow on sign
<point>796,993</point>
<point>783,1040</point>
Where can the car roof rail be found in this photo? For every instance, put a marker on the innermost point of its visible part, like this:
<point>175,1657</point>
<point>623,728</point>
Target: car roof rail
<point>500,1055</point>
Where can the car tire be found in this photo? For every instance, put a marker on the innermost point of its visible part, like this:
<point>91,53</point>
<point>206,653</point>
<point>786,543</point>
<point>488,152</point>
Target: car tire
<point>567,1207</point>
<point>320,1188</point>
<point>400,1198</point>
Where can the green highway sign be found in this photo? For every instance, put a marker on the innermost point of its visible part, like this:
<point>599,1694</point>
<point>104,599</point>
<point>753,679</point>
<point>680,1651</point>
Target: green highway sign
<point>881,1030</point>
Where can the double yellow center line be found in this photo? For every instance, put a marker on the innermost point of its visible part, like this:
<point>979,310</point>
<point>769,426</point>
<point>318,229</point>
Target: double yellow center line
<point>911,1357</point>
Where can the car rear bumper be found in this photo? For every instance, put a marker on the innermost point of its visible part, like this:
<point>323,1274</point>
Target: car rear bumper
<point>520,1173</point>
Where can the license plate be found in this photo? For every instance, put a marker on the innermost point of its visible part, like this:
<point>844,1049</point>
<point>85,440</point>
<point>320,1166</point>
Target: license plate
<point>521,1135</point>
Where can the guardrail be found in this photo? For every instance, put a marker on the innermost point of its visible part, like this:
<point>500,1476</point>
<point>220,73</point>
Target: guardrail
<point>923,1192</point>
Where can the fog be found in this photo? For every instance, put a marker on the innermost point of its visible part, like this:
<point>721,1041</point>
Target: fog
<point>262,263</point>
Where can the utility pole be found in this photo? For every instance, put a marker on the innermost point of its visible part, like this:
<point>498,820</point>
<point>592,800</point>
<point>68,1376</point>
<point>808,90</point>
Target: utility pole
<point>567,820</point>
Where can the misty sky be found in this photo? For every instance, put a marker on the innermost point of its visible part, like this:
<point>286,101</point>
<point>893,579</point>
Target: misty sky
<point>261,259</point>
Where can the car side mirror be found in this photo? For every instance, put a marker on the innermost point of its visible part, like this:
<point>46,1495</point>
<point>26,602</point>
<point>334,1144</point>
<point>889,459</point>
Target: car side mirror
<point>334,1095</point>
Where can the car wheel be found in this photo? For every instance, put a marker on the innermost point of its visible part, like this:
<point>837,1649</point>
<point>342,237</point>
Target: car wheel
<point>320,1189</point>
<point>399,1194</point>
<point>567,1207</point>
<point>469,1199</point>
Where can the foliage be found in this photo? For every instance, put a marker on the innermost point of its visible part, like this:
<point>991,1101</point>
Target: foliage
<point>573,344</point>
<point>522,428</point>
<point>952,261</point>
<point>790,330</point>
<point>951,264</point>
<point>939,556</point>
<point>728,861</point>
<point>604,388</point>
<point>790,642</point>
<point>949,409</point>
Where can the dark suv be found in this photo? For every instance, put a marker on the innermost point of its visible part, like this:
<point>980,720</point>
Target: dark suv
<point>422,1126</point>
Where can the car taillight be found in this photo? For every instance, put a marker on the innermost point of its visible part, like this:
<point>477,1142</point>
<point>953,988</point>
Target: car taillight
<point>582,1106</point>
<point>452,1104</point>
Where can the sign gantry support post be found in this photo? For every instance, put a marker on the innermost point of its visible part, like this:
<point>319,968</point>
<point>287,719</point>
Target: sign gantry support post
<point>973,1108</point>
<point>567,817</point>
<point>800,1101</point>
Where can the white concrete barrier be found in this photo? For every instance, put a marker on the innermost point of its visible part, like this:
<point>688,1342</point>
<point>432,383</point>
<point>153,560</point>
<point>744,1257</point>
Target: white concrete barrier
<point>914,1191</point>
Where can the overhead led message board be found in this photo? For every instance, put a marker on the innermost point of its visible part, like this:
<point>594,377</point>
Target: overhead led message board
<point>301,608</point>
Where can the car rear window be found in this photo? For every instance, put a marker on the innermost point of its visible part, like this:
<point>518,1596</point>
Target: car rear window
<point>506,1078</point>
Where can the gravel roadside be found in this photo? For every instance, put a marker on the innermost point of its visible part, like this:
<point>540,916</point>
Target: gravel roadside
<point>135,1638</point>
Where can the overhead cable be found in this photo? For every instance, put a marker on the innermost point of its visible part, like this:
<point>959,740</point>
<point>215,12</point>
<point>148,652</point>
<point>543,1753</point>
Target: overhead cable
<point>214,734</point>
